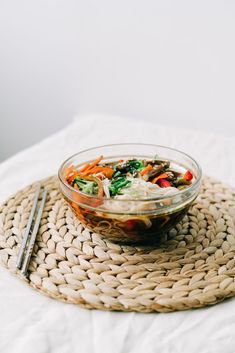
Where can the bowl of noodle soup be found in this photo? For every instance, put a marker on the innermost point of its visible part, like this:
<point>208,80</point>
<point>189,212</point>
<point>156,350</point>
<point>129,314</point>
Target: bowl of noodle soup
<point>133,192</point>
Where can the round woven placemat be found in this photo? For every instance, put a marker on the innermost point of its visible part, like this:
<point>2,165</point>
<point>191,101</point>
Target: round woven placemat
<point>192,266</point>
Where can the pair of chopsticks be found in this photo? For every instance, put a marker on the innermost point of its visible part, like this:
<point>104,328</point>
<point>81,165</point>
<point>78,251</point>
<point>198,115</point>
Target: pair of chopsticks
<point>30,233</point>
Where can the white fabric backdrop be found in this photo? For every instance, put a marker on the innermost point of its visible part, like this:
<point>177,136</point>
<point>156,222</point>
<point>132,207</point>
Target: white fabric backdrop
<point>162,59</point>
<point>31,322</point>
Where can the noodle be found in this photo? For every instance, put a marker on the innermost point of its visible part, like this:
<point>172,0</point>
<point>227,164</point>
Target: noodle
<point>127,227</point>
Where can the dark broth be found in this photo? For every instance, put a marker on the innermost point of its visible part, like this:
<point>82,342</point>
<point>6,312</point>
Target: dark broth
<point>133,230</point>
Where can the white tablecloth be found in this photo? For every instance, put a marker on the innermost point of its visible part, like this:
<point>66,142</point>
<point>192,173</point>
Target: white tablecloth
<point>33,323</point>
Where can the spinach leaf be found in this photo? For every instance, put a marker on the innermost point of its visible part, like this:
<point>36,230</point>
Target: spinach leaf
<point>117,185</point>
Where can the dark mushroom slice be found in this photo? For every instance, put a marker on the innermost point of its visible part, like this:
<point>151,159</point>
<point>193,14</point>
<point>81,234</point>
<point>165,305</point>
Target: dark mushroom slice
<point>176,174</point>
<point>123,167</point>
<point>171,175</point>
<point>134,174</point>
<point>181,181</point>
<point>157,169</point>
<point>182,187</point>
<point>158,161</point>
<point>109,164</point>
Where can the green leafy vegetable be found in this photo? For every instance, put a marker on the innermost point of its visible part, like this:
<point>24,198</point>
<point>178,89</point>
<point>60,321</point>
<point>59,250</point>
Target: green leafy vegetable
<point>117,185</point>
<point>86,186</point>
<point>132,166</point>
<point>116,174</point>
<point>135,165</point>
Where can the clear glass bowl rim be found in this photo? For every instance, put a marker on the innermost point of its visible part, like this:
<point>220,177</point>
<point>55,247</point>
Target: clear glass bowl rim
<point>191,188</point>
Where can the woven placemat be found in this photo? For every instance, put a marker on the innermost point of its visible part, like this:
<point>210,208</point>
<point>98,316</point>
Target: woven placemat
<point>193,265</point>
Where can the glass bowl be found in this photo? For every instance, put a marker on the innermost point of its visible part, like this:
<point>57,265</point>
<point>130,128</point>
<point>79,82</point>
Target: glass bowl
<point>133,220</point>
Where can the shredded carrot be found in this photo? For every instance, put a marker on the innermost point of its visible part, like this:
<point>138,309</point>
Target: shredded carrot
<point>69,170</point>
<point>93,164</point>
<point>90,171</point>
<point>161,176</point>
<point>88,166</point>
<point>108,172</point>
<point>85,167</point>
<point>85,170</point>
<point>76,196</point>
<point>146,169</point>
<point>71,177</point>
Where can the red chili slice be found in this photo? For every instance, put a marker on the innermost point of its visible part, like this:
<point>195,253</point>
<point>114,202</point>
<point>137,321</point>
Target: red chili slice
<point>130,224</point>
<point>163,183</point>
<point>188,176</point>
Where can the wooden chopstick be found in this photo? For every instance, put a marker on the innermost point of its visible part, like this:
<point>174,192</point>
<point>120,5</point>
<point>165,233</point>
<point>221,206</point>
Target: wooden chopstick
<point>27,230</point>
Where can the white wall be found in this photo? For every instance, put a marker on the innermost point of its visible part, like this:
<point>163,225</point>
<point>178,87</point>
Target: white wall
<point>172,61</point>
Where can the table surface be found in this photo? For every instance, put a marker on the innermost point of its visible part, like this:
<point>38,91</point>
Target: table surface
<point>31,322</point>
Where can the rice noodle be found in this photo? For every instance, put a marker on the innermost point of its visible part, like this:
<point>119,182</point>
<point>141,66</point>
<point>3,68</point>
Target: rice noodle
<point>138,190</point>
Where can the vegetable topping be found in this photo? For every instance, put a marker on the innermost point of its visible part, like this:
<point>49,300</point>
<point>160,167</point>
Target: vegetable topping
<point>137,178</point>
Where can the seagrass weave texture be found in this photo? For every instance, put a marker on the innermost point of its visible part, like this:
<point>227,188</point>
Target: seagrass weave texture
<point>192,266</point>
